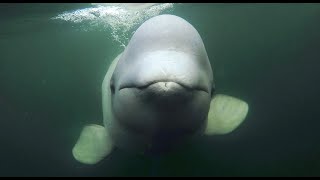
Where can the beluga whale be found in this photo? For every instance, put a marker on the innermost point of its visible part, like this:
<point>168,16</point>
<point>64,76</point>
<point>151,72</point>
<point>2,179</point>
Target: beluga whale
<point>158,94</point>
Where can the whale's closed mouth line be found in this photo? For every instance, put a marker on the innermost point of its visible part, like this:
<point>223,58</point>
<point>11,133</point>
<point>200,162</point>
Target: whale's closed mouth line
<point>145,86</point>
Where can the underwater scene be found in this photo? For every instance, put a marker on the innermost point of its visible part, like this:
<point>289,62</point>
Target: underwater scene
<point>159,89</point>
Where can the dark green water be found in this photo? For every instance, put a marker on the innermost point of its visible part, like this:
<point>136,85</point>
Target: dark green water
<point>266,54</point>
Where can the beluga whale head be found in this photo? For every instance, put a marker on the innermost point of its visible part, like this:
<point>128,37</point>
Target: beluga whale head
<point>163,82</point>
<point>158,93</point>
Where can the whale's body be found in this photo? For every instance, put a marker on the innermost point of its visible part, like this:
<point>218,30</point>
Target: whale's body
<point>163,83</point>
<point>158,93</point>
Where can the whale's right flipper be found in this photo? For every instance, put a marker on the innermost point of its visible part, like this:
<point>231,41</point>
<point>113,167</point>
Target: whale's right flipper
<point>93,145</point>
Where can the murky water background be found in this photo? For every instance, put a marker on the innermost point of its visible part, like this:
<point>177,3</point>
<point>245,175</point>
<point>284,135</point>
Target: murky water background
<point>51,70</point>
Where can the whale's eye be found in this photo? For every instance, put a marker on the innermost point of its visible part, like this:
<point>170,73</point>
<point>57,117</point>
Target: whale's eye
<point>112,87</point>
<point>213,90</point>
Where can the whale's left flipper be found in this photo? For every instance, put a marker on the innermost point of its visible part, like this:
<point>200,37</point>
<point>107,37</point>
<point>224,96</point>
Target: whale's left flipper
<point>226,114</point>
<point>93,145</point>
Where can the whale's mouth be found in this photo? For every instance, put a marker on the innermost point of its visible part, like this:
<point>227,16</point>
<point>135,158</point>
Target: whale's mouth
<point>166,94</point>
<point>164,86</point>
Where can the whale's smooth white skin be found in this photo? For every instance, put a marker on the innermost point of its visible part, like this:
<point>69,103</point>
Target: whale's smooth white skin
<point>158,93</point>
<point>162,85</point>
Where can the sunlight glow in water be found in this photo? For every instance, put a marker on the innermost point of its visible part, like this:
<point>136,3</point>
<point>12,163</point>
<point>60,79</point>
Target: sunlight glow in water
<point>120,20</point>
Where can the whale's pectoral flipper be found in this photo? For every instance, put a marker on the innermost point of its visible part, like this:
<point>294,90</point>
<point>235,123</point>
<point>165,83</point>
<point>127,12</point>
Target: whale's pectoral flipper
<point>226,114</point>
<point>93,145</point>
